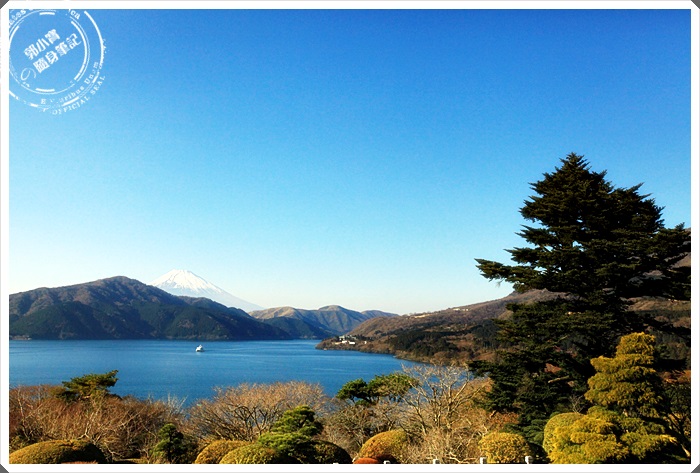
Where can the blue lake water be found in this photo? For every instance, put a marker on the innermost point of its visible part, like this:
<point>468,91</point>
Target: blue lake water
<point>158,368</point>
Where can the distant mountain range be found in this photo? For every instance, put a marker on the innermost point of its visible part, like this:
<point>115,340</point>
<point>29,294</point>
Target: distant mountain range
<point>320,323</point>
<point>123,308</point>
<point>181,282</point>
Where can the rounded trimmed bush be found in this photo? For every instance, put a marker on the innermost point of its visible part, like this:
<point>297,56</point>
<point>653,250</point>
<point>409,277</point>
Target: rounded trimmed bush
<point>557,430</point>
<point>384,446</point>
<point>215,451</point>
<point>329,453</point>
<point>58,451</point>
<point>366,461</point>
<point>255,454</point>
<point>504,447</point>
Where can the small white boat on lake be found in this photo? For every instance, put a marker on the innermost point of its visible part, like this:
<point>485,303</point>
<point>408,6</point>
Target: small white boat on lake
<point>199,348</point>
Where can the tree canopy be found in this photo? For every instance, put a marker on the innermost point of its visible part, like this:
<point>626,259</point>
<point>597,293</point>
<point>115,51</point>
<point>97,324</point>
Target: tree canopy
<point>293,434</point>
<point>172,445</point>
<point>595,247</point>
<point>88,386</point>
<point>391,386</point>
<point>594,241</point>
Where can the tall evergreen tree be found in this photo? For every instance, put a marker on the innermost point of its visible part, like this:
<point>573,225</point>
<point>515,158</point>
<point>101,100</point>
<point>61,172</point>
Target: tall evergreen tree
<point>596,246</point>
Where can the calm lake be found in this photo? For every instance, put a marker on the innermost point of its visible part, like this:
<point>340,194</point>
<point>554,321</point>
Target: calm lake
<point>159,368</point>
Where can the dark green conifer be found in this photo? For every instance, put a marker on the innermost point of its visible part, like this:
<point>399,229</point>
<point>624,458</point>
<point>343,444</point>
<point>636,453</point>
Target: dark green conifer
<point>293,434</point>
<point>391,386</point>
<point>596,246</point>
<point>87,386</point>
<point>172,445</point>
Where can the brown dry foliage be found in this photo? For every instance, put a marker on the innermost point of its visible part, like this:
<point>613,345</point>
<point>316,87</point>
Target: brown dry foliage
<point>366,461</point>
<point>120,427</point>
<point>392,445</point>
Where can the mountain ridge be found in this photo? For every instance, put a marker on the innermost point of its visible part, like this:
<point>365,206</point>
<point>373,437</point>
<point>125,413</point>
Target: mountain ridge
<point>124,308</point>
<point>330,320</point>
<point>119,307</point>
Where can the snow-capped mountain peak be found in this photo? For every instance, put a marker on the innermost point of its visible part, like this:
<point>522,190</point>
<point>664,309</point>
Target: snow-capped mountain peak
<point>184,279</point>
<point>181,282</point>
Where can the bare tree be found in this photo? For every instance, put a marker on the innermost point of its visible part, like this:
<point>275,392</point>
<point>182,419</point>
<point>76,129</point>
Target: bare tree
<point>351,424</point>
<point>444,417</point>
<point>245,411</point>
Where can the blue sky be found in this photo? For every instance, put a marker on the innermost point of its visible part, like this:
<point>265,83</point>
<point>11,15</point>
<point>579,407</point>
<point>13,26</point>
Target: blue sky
<point>360,158</point>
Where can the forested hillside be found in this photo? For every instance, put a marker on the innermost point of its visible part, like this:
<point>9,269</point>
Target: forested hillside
<point>469,333</point>
<point>123,308</point>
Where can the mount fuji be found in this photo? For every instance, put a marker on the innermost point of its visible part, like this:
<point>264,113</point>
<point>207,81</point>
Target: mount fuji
<point>180,282</point>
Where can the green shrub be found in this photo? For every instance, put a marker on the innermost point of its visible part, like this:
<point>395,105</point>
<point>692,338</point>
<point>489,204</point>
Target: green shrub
<point>504,447</point>
<point>329,453</point>
<point>215,451</point>
<point>58,451</point>
<point>292,435</point>
<point>388,445</point>
<point>557,431</point>
<point>255,454</point>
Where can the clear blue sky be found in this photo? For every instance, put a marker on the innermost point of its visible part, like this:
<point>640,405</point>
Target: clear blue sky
<point>360,158</point>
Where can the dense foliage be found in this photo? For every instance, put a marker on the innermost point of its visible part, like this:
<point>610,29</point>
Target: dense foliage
<point>504,447</point>
<point>421,415</point>
<point>87,386</point>
<point>173,446</point>
<point>625,423</point>
<point>390,386</point>
<point>293,434</point>
<point>121,427</point>
<point>598,247</point>
<point>325,452</point>
<point>437,408</point>
<point>422,343</point>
